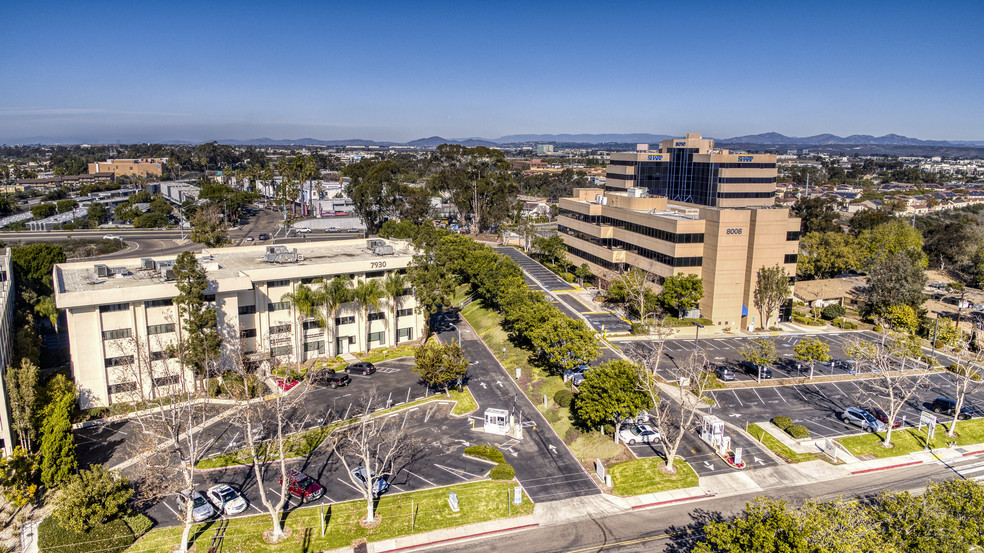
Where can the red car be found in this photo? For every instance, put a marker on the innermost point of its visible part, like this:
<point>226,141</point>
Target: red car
<point>285,384</point>
<point>303,486</point>
<point>880,415</point>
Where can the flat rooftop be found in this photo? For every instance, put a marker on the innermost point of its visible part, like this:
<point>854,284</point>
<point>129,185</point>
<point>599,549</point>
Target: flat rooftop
<point>228,269</point>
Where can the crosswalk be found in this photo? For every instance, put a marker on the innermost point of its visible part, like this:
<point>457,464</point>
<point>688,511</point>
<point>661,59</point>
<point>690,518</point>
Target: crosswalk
<point>970,471</point>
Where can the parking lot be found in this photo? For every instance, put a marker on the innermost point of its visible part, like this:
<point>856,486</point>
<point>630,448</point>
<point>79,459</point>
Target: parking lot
<point>701,456</point>
<point>545,276</point>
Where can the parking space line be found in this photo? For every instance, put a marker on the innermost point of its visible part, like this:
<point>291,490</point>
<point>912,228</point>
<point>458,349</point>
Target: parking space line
<point>776,390</point>
<point>421,477</point>
<point>164,503</point>
<point>820,391</point>
<point>757,395</point>
<point>349,484</point>
<point>737,398</point>
<point>456,472</point>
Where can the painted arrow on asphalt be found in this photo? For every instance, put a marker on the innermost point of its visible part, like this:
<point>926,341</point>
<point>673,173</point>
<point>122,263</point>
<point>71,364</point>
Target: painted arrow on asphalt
<point>757,460</point>
<point>708,465</point>
<point>484,387</point>
<point>499,382</point>
<point>552,448</point>
<point>735,415</point>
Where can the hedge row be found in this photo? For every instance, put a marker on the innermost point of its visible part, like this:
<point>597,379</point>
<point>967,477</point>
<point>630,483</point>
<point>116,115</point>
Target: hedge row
<point>485,452</point>
<point>797,431</point>
<point>114,536</point>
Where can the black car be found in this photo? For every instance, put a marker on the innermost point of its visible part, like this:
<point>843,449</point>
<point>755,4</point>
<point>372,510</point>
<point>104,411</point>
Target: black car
<point>264,236</point>
<point>946,406</point>
<point>753,369</point>
<point>330,378</point>
<point>363,367</point>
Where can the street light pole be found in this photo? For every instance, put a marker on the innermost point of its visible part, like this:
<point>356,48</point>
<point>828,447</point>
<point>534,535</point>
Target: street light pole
<point>935,328</point>
<point>697,336</point>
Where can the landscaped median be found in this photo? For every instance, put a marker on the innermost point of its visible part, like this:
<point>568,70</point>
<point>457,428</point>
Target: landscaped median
<point>642,476</point>
<point>779,448</point>
<point>400,514</point>
<point>910,440</point>
<point>303,443</point>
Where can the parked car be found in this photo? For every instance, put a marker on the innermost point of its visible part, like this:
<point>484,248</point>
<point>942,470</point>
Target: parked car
<point>379,483</point>
<point>638,433</point>
<point>201,509</point>
<point>753,369</point>
<point>249,238</point>
<point>303,486</point>
<point>882,417</point>
<point>863,419</point>
<point>576,375</point>
<point>946,406</point>
<point>302,230</point>
<point>332,379</point>
<point>724,373</point>
<point>264,236</point>
<point>227,499</point>
<point>332,229</point>
<point>363,367</point>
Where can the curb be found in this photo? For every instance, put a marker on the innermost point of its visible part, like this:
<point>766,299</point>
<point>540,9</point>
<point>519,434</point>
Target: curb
<point>900,465</point>
<point>460,538</point>
<point>969,453</point>
<point>670,501</point>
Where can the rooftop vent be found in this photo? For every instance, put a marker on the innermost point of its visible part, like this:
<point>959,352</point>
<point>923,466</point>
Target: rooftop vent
<point>167,272</point>
<point>374,243</point>
<point>383,250</point>
<point>147,264</point>
<point>102,271</point>
<point>280,254</point>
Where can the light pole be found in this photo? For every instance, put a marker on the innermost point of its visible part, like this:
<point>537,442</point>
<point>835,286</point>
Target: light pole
<point>936,326</point>
<point>697,336</point>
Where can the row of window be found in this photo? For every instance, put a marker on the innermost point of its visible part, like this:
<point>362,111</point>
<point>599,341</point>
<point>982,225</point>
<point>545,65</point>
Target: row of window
<point>123,387</point>
<point>746,165</point>
<point>733,195</point>
<point>595,259</point>
<point>659,234</point>
<point>663,258</point>
<point>746,180</point>
<point>116,334</point>
<point>160,329</point>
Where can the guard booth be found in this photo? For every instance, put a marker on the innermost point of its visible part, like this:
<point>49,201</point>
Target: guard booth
<point>712,432</point>
<point>497,421</point>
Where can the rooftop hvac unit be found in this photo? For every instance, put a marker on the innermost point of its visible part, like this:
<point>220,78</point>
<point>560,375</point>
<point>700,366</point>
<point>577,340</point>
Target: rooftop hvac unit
<point>102,271</point>
<point>383,250</point>
<point>375,243</point>
<point>167,273</point>
<point>280,254</point>
<point>598,198</point>
<point>119,271</point>
<point>147,264</point>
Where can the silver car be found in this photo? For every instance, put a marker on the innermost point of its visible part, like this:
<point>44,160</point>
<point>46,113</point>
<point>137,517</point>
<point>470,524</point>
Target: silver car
<point>201,509</point>
<point>227,499</point>
<point>863,419</point>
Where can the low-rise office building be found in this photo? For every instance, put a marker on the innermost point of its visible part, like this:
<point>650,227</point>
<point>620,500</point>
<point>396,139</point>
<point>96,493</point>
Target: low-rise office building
<point>121,318</point>
<point>133,167</point>
<point>6,341</point>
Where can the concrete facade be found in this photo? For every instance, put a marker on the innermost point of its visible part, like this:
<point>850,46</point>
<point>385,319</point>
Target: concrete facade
<point>6,340</point>
<point>615,231</point>
<point>135,167</point>
<point>121,319</point>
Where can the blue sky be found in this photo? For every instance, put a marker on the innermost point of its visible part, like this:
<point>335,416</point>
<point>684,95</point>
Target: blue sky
<point>147,71</point>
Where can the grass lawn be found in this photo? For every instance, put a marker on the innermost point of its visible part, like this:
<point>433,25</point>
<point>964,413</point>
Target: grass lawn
<point>643,476</point>
<point>912,439</point>
<point>488,324</point>
<point>465,402</point>
<point>401,515</point>
<point>594,445</point>
<point>771,442</point>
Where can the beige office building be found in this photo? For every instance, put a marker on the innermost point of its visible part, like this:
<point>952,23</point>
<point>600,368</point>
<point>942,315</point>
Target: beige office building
<point>6,342</point>
<point>134,167</point>
<point>721,226</point>
<point>121,317</point>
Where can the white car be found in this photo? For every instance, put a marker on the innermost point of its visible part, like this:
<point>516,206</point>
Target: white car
<point>227,499</point>
<point>638,433</point>
<point>249,238</point>
<point>302,230</point>
<point>201,509</point>
<point>332,229</point>
<point>111,237</point>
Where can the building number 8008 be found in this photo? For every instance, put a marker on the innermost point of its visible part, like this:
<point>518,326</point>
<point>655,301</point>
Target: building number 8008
<point>734,231</point>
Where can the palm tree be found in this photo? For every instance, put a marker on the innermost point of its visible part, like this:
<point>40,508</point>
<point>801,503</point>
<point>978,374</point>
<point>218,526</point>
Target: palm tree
<point>304,302</point>
<point>368,293</point>
<point>331,295</point>
<point>393,287</point>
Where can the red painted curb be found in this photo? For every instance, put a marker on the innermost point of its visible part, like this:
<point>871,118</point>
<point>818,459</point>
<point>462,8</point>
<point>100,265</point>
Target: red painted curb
<point>668,501</point>
<point>969,453</point>
<point>428,544</point>
<point>888,467</point>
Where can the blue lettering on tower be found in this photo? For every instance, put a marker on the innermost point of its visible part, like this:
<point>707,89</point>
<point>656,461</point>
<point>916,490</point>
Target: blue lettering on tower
<point>655,157</point>
<point>746,158</point>
<point>681,143</point>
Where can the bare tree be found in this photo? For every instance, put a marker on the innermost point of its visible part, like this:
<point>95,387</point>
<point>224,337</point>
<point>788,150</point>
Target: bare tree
<point>965,375</point>
<point>677,404</point>
<point>637,282</point>
<point>658,332</point>
<point>259,417</point>
<point>374,444</point>
<point>881,384</point>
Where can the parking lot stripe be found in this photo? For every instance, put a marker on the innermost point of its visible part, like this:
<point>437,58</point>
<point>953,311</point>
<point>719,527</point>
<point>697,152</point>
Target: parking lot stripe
<point>164,503</point>
<point>776,390</point>
<point>820,391</point>
<point>457,472</point>
<point>737,398</point>
<point>757,395</point>
<point>421,477</point>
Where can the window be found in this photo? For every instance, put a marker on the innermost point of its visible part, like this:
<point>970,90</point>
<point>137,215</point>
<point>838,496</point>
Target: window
<point>308,325</point>
<point>160,329</point>
<point>404,334</point>
<point>167,380</point>
<point>210,298</point>
<point>310,280</point>
<point>278,306</point>
<point>280,329</point>
<point>116,334</point>
<point>375,337</point>
<point>318,346</point>
<point>122,387</point>
<point>344,320</point>
<point>374,274</point>
<point>119,361</point>
<point>114,307</point>
<point>278,283</point>
<point>407,292</point>
<point>247,309</point>
<point>404,313</point>
<point>162,355</point>
<point>792,235</point>
<point>379,316</point>
<point>280,350</point>
<point>247,333</point>
<point>790,258</point>
<point>158,303</point>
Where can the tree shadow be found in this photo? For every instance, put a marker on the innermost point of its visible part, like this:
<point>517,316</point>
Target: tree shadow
<point>683,538</point>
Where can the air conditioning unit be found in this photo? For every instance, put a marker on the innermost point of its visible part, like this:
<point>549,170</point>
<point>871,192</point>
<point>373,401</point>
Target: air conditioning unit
<point>383,250</point>
<point>147,264</point>
<point>167,273</point>
<point>375,243</point>
<point>102,271</point>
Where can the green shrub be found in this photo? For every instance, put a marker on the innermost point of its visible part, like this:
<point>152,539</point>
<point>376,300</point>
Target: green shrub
<point>798,431</point>
<point>571,435</point>
<point>673,321</point>
<point>878,328</point>
<point>139,524</point>
<point>638,328</point>
<point>212,387</point>
<point>833,311</point>
<point>502,471</point>
<point>552,415</point>
<point>114,536</point>
<point>783,422</point>
<point>563,397</point>
<point>775,329</point>
<point>485,452</point>
<point>844,323</point>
